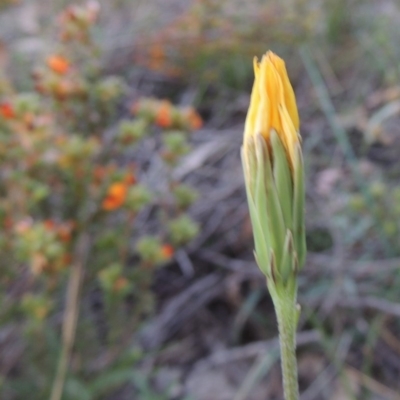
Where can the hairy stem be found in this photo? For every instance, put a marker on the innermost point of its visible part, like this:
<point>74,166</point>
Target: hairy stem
<point>286,313</point>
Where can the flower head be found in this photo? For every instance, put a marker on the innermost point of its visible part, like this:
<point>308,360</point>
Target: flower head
<point>273,171</point>
<point>58,64</point>
<point>116,196</point>
<point>7,110</point>
<point>167,251</point>
<point>273,104</point>
<point>193,118</point>
<point>163,116</point>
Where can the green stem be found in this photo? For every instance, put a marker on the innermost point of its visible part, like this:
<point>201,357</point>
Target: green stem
<point>286,313</point>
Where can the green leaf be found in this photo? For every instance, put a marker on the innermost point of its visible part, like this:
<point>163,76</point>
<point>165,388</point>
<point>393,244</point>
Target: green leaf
<point>108,381</point>
<point>75,389</point>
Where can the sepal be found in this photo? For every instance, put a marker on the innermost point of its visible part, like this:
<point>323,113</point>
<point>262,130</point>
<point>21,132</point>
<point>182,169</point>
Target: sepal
<point>298,208</point>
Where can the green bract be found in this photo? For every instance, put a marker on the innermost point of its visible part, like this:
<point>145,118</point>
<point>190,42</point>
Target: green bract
<point>275,196</point>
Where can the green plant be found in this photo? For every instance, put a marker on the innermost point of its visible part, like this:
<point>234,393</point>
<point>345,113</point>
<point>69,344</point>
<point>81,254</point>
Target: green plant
<point>70,199</point>
<point>274,179</point>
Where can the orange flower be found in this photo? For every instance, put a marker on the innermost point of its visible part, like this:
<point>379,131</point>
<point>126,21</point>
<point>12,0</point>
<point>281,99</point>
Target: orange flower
<point>58,64</point>
<point>64,231</point>
<point>130,178</point>
<point>116,196</point>
<point>194,119</point>
<point>100,172</point>
<point>7,110</point>
<point>164,115</point>
<point>49,224</point>
<point>120,284</point>
<point>167,251</point>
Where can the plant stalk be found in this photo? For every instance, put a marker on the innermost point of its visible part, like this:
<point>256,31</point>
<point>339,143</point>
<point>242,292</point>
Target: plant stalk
<point>70,316</point>
<point>287,316</point>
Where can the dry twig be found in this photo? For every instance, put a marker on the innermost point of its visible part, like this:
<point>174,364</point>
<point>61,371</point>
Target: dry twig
<point>71,315</point>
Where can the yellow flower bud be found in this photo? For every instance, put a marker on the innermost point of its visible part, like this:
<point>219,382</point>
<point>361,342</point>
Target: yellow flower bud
<point>273,105</point>
<point>273,170</point>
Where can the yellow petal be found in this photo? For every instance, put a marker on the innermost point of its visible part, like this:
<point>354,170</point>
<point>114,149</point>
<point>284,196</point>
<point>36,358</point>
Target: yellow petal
<point>289,96</point>
<point>273,104</point>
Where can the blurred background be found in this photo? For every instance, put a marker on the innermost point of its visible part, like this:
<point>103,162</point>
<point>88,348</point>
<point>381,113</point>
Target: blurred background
<point>126,266</point>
